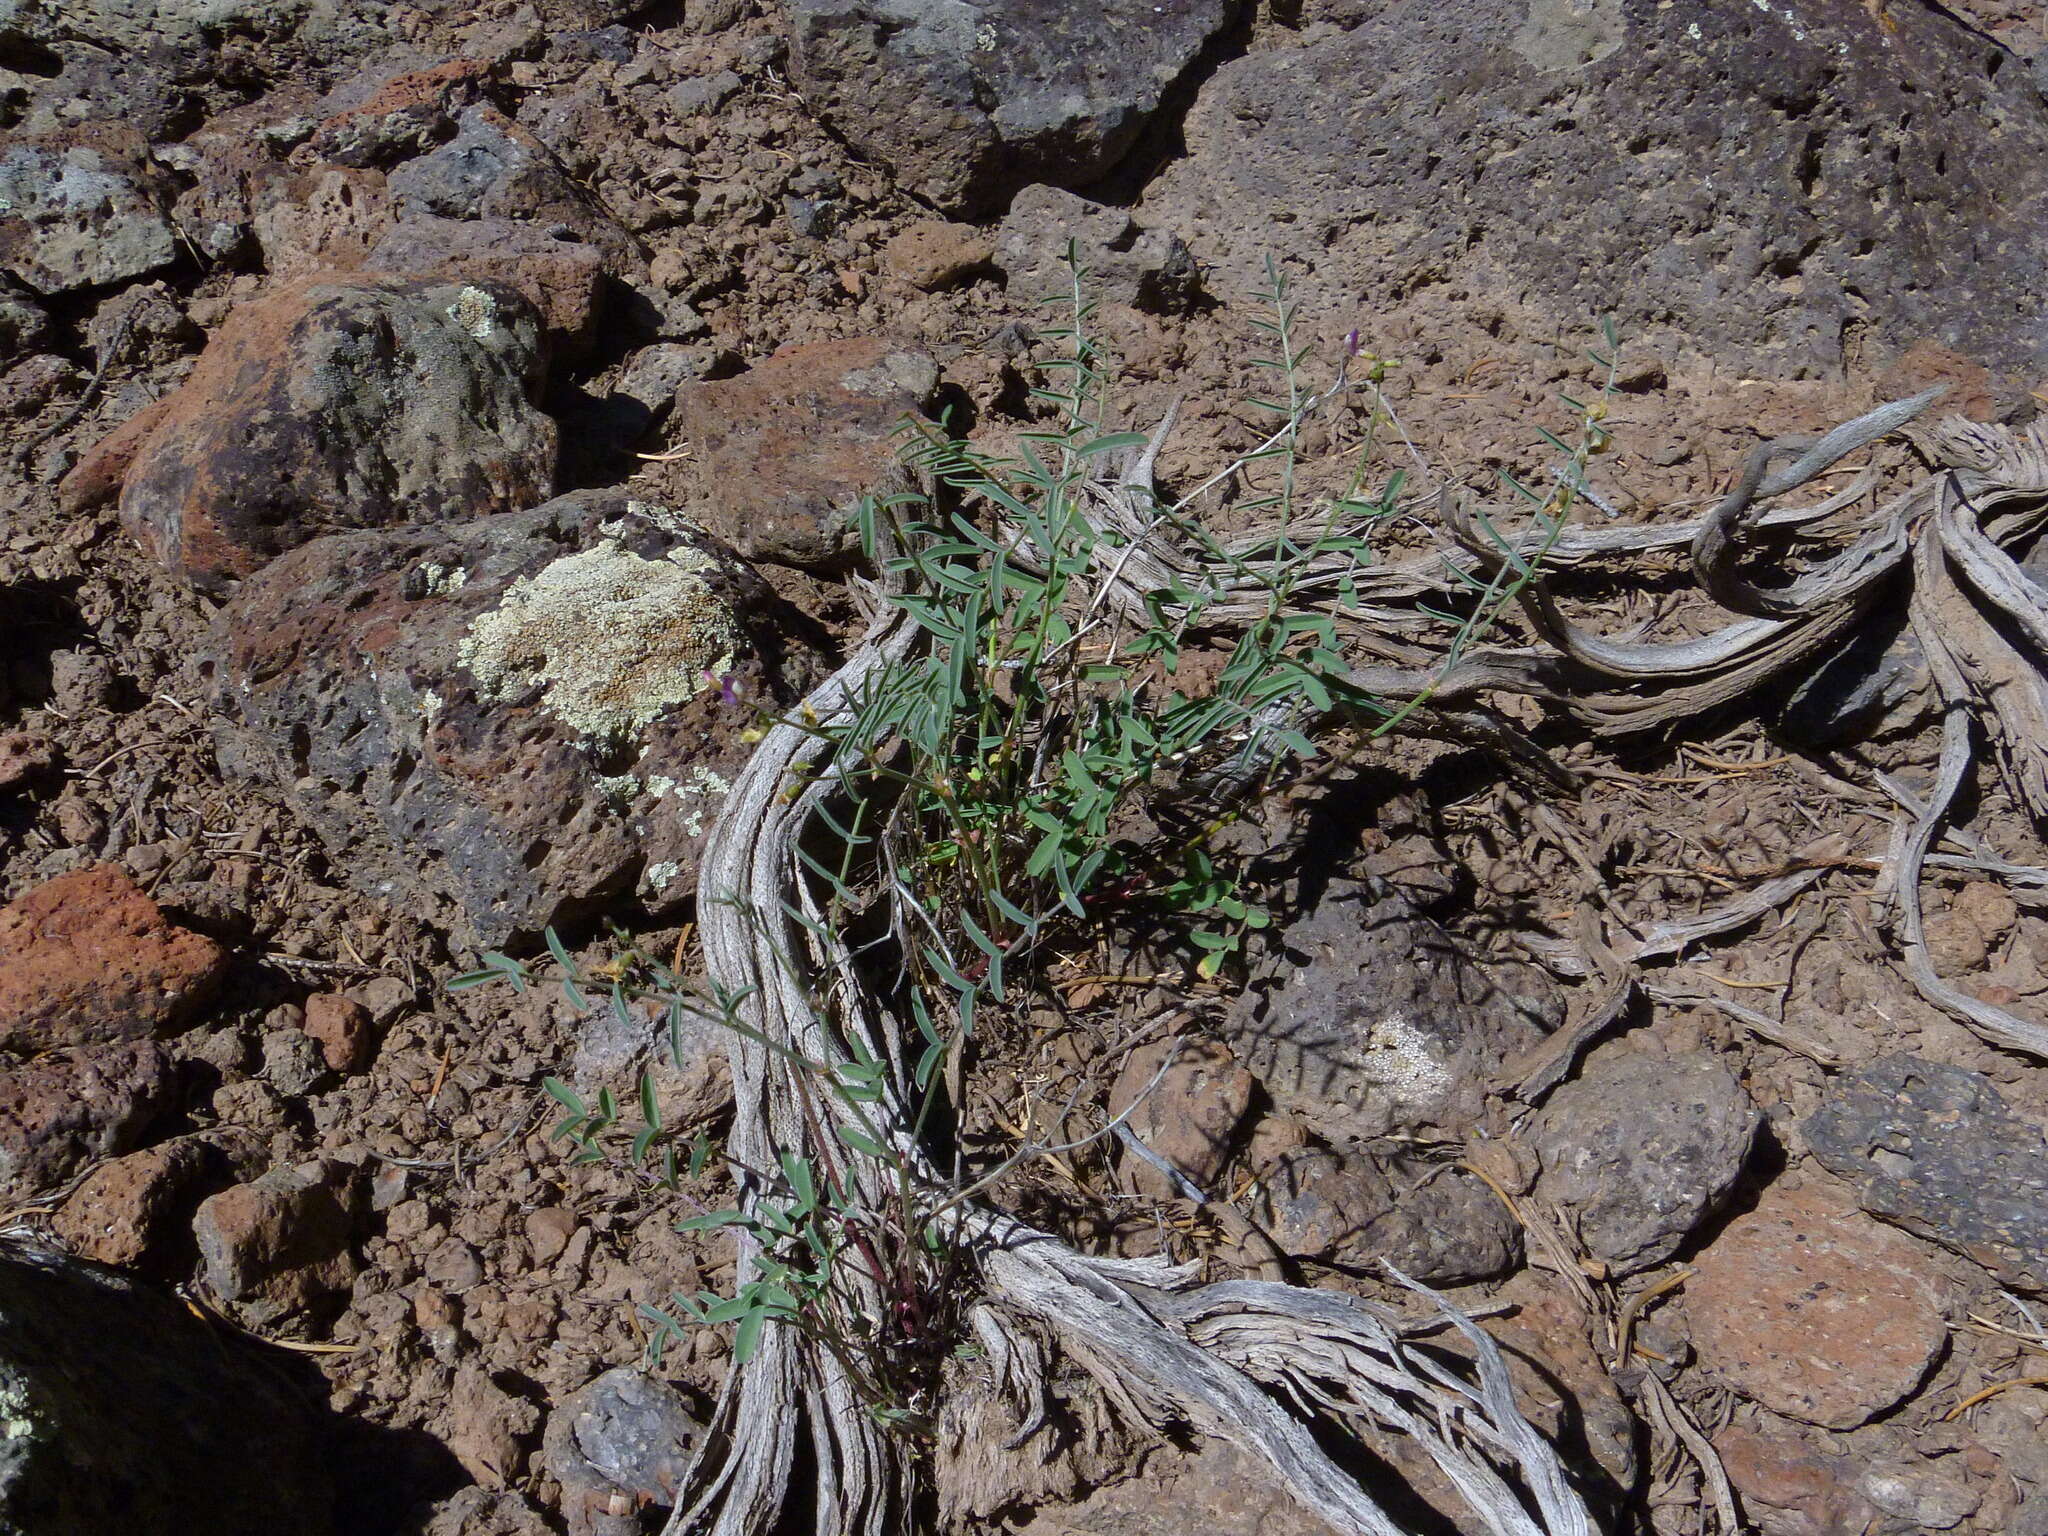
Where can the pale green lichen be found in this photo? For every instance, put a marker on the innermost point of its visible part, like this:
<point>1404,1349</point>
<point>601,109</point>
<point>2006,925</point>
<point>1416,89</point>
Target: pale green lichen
<point>476,312</point>
<point>1404,1060</point>
<point>440,580</point>
<point>611,638</point>
<point>660,877</point>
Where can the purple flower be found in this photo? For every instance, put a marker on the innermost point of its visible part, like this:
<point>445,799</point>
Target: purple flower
<point>1351,343</point>
<point>726,683</point>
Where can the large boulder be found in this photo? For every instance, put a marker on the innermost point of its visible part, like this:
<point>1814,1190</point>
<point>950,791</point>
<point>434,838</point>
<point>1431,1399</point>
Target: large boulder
<point>1782,189</point>
<point>340,402</point>
<point>966,100</point>
<point>127,1413</point>
<point>513,719</point>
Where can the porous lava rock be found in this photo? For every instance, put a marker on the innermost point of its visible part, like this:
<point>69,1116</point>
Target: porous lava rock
<point>1810,1308</point>
<point>560,275</point>
<point>1365,1018</point>
<point>1937,1150</point>
<point>1437,1224</point>
<point>966,102</point>
<point>126,1413</point>
<point>127,1208</point>
<point>66,1109</point>
<point>1786,189</point>
<point>340,402</point>
<point>82,208</point>
<point>617,1446</point>
<point>88,959</point>
<point>783,453</point>
<point>1641,1146</point>
<point>507,721</point>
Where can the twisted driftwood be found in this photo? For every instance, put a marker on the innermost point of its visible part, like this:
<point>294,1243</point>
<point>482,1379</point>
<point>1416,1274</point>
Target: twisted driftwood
<point>1267,1366</point>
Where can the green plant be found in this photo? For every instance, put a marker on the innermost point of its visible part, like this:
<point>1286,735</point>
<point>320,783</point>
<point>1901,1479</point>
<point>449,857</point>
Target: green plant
<point>984,790</point>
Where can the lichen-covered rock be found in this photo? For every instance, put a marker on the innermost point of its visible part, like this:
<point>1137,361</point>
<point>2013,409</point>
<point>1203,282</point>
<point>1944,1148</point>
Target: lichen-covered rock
<point>1641,1147</point>
<point>508,720</point>
<point>965,102</point>
<point>783,453</point>
<point>343,402</point>
<point>1365,1018</point>
<point>82,208</point>
<point>1764,154</point>
<point>125,1413</point>
<point>1937,1150</point>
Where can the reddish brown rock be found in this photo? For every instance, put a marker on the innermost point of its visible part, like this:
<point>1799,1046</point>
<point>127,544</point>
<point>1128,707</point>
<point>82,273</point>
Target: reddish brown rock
<point>1190,1116</point>
<point>26,756</point>
<point>1788,1487</point>
<point>563,277</point>
<point>88,958</point>
<point>1812,1309</point>
<point>343,1029</point>
<point>319,221</point>
<point>278,1244</point>
<point>127,1208</point>
<point>489,1428</point>
<point>307,412</point>
<point>932,254</point>
<point>785,451</point>
<point>68,1108</point>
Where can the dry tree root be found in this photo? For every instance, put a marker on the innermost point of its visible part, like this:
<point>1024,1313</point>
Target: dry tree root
<point>1252,1362</point>
<point>1273,1368</point>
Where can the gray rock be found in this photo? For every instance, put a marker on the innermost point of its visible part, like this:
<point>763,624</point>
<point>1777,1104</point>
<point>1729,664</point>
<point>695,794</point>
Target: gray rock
<point>322,30</point>
<point>487,1512</point>
<point>965,102</point>
<point>624,1441</point>
<point>702,93</point>
<point>1763,154</point>
<point>1936,1149</point>
<point>1365,1018</point>
<point>292,1062</point>
<point>1641,1147</point>
<point>1126,265</point>
<point>513,720</point>
<point>1878,681</point>
<point>1437,1224</point>
<point>81,209</point>
<point>125,1414</point>
<point>655,374</point>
